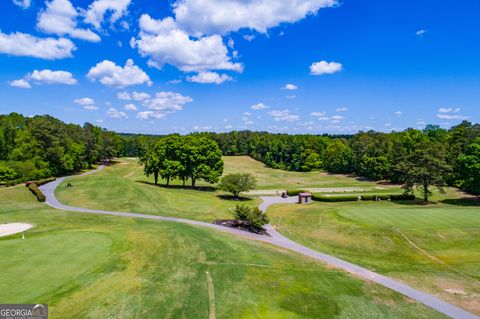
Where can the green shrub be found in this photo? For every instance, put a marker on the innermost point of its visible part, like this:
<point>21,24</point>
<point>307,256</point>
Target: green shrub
<point>37,192</point>
<point>368,197</point>
<point>294,192</point>
<point>251,217</point>
<point>402,197</point>
<point>335,199</point>
<point>41,182</point>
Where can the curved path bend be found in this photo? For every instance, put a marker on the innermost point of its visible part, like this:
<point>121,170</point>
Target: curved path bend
<point>279,240</point>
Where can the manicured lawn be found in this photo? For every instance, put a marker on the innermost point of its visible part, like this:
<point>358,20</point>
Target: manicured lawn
<point>90,266</point>
<point>123,187</point>
<point>269,178</point>
<point>435,248</point>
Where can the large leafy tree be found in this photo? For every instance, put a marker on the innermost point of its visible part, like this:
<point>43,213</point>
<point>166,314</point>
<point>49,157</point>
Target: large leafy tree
<point>425,165</point>
<point>338,157</point>
<point>237,183</point>
<point>469,167</point>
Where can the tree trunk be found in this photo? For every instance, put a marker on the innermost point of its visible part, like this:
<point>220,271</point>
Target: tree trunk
<point>168,181</point>
<point>425,190</point>
<point>193,182</point>
<point>155,175</point>
<point>183,181</point>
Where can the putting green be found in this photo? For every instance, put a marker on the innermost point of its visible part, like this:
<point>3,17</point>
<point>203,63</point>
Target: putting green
<point>41,266</point>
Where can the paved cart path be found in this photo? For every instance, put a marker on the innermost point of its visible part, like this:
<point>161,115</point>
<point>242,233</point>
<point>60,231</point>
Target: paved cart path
<point>279,240</point>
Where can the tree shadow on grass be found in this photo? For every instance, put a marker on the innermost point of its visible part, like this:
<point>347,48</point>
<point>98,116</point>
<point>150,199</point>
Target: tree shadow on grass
<point>466,201</point>
<point>233,198</point>
<point>196,188</point>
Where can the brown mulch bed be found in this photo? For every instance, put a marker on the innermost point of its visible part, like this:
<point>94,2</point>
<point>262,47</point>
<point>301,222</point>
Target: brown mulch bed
<point>240,225</point>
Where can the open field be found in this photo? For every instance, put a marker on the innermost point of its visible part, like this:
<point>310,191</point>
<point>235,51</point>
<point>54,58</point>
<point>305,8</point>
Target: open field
<point>123,187</point>
<point>88,266</point>
<point>269,178</point>
<point>434,248</point>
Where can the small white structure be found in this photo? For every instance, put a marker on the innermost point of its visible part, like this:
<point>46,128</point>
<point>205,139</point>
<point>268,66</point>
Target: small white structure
<point>305,198</point>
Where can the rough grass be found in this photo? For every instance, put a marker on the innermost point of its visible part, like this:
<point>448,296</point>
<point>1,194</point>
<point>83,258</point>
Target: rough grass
<point>269,178</point>
<point>123,187</point>
<point>435,248</point>
<point>90,266</point>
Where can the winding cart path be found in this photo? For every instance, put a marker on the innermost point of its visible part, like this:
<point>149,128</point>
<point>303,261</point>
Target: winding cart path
<point>279,240</point>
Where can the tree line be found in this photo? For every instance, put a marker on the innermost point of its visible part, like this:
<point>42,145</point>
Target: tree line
<point>43,146</point>
<point>432,156</point>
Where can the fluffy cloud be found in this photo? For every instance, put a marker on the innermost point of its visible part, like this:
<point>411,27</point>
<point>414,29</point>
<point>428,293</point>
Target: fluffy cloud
<point>96,12</point>
<point>398,113</point>
<point>421,32</point>
<point>322,116</point>
<point>259,106</point>
<point>60,18</point>
<point>110,74</point>
<point>22,83</point>
<point>130,107</point>
<point>163,104</point>
<point>164,43</point>
<point>137,96</point>
<point>284,116</point>
<point>52,77</point>
<point>324,67</point>
<point>342,109</point>
<point>84,101</point>
<point>114,113</point>
<point>24,4</point>
<point>209,77</point>
<point>451,114</point>
<point>290,87</point>
<point>87,103</point>
<point>21,44</point>
<point>223,16</point>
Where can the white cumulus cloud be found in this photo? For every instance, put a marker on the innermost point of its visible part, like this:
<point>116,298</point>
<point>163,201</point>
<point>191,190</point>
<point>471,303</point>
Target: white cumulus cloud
<point>162,104</point>
<point>60,18</point>
<point>290,87</point>
<point>283,116</point>
<point>110,74</point>
<point>52,77</point>
<point>22,44</point>
<point>21,83</point>
<point>130,107</point>
<point>223,16</point>
<point>24,4</point>
<point>324,67</point>
<point>164,43</point>
<point>96,12</point>
<point>259,106</point>
<point>84,101</point>
<point>114,113</point>
<point>209,77</point>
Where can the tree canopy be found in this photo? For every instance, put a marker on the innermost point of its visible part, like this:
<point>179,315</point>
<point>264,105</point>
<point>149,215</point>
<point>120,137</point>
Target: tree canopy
<point>237,183</point>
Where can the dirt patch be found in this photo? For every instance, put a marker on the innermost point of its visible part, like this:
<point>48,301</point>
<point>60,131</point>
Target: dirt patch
<point>455,291</point>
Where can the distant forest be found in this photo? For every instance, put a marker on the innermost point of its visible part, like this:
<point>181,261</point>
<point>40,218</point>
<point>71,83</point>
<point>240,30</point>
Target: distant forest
<point>43,146</point>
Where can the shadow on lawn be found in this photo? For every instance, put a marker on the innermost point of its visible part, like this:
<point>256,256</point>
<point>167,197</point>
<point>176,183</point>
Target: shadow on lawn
<point>196,188</point>
<point>466,201</point>
<point>232,198</point>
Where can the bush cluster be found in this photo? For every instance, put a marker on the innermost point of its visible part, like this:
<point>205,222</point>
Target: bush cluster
<point>294,192</point>
<point>41,182</point>
<point>368,197</point>
<point>334,199</point>
<point>33,187</point>
<point>250,217</point>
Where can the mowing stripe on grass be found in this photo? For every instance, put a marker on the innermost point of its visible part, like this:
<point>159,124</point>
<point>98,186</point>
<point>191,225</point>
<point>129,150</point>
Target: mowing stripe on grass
<point>211,295</point>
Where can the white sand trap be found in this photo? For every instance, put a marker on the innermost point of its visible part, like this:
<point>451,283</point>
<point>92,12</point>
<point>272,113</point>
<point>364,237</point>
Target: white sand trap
<point>10,229</point>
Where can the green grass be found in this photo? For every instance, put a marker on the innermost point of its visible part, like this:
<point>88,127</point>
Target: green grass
<point>269,178</point>
<point>92,266</point>
<point>123,187</point>
<point>435,248</point>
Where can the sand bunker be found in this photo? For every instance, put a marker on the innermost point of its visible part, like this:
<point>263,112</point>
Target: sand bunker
<point>10,229</point>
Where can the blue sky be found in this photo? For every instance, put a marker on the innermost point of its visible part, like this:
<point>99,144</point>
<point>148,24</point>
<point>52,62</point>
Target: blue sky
<point>296,66</point>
